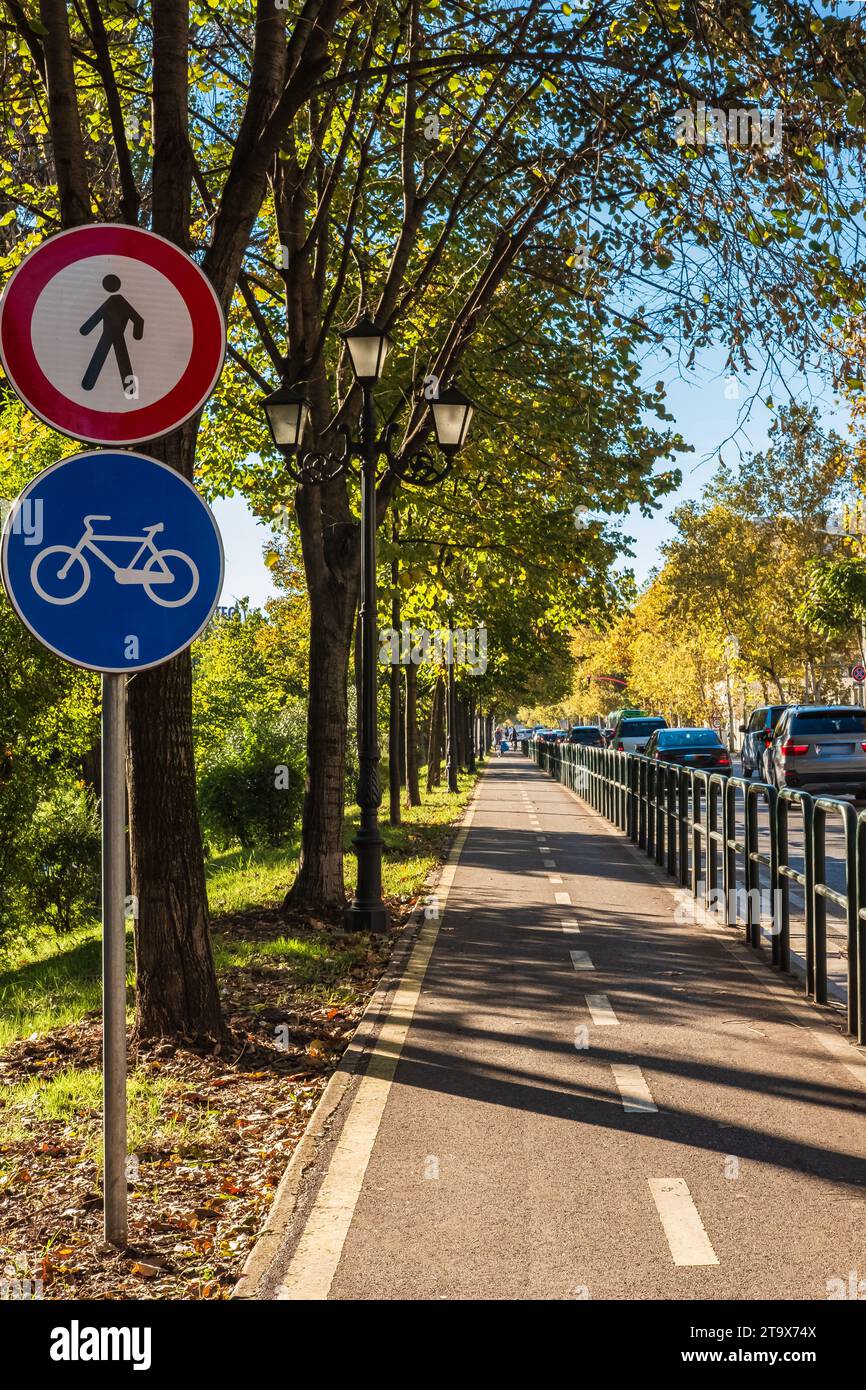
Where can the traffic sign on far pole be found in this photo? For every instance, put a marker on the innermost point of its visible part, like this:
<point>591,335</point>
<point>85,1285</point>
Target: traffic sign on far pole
<point>858,673</point>
<point>115,563</point>
<point>111,334</point>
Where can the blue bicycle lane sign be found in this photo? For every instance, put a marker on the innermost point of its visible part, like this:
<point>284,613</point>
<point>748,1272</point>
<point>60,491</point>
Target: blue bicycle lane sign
<point>112,560</point>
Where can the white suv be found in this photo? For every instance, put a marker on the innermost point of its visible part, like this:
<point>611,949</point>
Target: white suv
<point>631,734</point>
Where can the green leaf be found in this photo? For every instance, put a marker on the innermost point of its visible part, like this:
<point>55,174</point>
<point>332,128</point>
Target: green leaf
<point>855,105</point>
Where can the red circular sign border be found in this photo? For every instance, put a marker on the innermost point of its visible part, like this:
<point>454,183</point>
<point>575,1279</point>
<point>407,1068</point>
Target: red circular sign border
<point>93,426</point>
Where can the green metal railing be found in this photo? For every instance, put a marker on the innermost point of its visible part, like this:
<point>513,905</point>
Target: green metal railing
<point>687,821</point>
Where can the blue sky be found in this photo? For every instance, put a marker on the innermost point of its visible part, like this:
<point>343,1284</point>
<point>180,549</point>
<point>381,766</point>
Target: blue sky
<point>708,419</point>
<point>246,574</point>
<point>704,414</point>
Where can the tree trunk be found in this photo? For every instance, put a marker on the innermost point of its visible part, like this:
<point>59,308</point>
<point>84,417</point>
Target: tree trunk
<point>394,746</point>
<point>177,989</point>
<point>395,742</point>
<point>460,731</point>
<point>401,731</point>
<point>394,719</point>
<point>413,790</point>
<point>434,742</point>
<point>469,725</point>
<point>333,590</point>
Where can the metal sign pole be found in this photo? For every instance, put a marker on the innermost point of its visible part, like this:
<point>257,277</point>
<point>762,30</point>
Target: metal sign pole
<point>114,956</point>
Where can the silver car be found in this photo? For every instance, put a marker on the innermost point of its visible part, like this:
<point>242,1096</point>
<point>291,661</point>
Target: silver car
<point>821,749</point>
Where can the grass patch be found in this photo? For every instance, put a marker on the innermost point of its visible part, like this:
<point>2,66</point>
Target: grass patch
<point>307,962</point>
<point>72,1098</point>
<point>241,878</point>
<point>50,982</point>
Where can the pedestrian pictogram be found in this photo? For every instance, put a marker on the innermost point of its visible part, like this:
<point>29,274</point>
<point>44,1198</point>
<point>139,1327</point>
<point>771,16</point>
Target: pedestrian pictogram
<point>125,567</point>
<point>114,316</point>
<point>111,334</point>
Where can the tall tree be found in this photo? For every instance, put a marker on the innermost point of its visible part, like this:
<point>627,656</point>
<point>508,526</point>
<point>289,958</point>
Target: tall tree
<point>417,161</point>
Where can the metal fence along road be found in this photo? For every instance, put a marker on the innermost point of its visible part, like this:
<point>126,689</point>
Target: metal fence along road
<point>728,840</point>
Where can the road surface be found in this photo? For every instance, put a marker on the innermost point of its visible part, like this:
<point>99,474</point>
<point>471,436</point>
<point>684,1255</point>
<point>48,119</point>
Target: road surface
<point>579,1092</point>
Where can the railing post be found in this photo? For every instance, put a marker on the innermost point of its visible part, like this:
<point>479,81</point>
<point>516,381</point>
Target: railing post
<point>714,797</point>
<point>859,963</point>
<point>819,902</point>
<point>671,786</point>
<point>642,805</point>
<point>753,872</point>
<point>683,800</point>
<point>729,863</point>
<point>770,796</point>
<point>661,788</point>
<point>784,899</point>
<point>852,922</point>
<point>696,834</point>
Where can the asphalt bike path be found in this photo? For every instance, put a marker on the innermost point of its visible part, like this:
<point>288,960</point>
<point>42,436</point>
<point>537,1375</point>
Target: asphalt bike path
<point>580,1091</point>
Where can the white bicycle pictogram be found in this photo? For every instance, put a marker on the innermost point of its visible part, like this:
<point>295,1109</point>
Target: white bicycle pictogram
<point>153,573</point>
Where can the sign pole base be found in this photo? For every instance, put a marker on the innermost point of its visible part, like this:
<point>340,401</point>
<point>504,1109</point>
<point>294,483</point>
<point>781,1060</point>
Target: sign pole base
<point>114,957</point>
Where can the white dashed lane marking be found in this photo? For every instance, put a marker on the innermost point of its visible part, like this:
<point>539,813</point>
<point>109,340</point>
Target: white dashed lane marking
<point>600,1008</point>
<point>581,961</point>
<point>633,1089</point>
<point>563,898</point>
<point>681,1223</point>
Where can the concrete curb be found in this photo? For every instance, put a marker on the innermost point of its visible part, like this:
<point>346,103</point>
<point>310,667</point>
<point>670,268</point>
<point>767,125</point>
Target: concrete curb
<point>284,1204</point>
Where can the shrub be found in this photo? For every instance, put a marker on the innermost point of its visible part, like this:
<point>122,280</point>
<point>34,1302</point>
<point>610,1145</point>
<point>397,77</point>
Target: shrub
<point>250,789</point>
<point>61,857</point>
<point>18,800</point>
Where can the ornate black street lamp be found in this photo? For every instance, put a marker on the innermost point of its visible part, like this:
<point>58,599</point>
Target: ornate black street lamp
<point>288,413</point>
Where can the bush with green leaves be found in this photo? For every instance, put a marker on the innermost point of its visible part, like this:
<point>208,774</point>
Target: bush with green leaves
<point>18,798</point>
<point>250,786</point>
<point>62,857</point>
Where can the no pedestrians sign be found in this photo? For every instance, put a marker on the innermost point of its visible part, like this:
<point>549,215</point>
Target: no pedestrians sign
<point>111,334</point>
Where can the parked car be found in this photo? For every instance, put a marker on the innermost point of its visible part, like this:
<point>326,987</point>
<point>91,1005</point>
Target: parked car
<point>586,734</point>
<point>822,749</point>
<point>758,730</point>
<point>630,735</point>
<point>691,748</point>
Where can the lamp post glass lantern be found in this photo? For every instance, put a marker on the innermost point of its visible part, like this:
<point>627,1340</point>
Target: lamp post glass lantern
<point>452,412</point>
<point>288,413</point>
<point>367,347</point>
